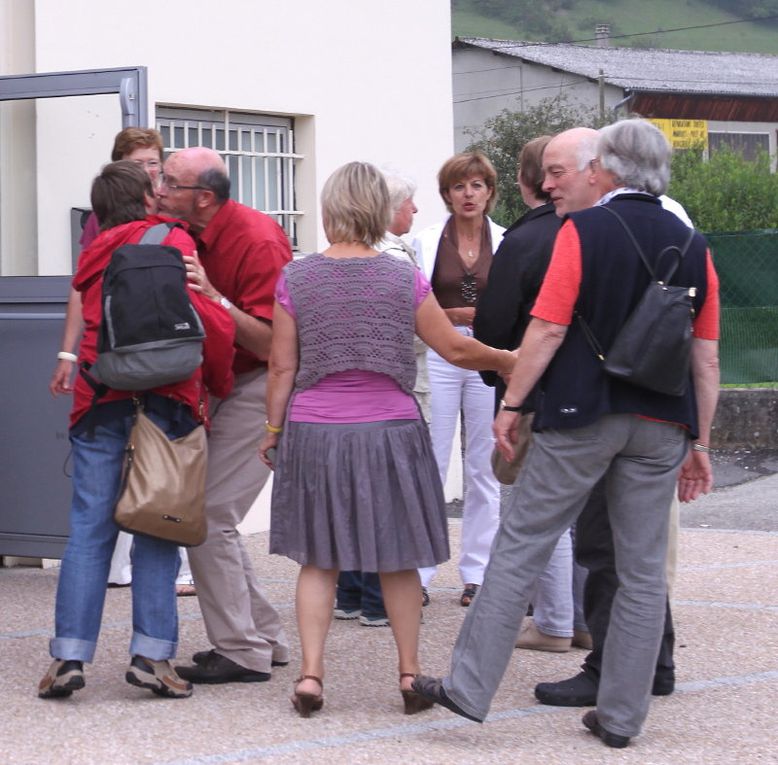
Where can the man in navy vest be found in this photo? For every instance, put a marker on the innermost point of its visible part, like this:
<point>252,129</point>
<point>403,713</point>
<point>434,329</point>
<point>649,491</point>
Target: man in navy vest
<point>589,426</point>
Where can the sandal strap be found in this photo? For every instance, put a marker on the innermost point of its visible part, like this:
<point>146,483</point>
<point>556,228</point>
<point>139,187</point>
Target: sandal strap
<point>310,677</point>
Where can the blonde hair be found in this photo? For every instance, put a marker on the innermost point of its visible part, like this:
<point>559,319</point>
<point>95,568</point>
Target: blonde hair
<point>355,204</point>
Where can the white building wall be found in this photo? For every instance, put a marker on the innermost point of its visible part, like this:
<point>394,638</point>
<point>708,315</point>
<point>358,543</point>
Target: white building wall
<point>364,80</point>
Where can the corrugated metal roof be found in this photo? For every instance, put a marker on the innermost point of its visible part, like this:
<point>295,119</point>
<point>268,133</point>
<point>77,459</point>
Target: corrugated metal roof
<point>649,69</point>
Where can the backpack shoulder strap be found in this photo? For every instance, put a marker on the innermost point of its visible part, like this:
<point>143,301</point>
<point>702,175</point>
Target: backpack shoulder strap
<point>632,239</point>
<point>156,234</point>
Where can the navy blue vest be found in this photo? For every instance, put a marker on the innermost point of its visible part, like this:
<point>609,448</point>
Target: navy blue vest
<point>575,391</point>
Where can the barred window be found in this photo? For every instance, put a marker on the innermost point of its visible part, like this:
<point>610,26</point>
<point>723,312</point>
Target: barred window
<point>258,150</point>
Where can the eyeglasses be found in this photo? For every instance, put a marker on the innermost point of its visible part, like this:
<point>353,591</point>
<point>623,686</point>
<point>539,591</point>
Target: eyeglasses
<point>179,187</point>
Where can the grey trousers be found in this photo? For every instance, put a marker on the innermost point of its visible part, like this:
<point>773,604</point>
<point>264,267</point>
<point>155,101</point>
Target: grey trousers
<point>640,459</point>
<point>241,623</point>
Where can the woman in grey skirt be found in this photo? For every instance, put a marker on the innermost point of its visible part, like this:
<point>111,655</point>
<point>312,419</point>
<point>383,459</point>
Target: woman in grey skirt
<point>356,485</point>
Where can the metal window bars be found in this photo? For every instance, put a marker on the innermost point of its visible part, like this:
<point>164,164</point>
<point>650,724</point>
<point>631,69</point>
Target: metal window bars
<point>258,151</point>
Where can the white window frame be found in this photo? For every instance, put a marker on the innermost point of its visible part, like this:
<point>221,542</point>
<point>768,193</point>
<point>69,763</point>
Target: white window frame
<point>258,150</point>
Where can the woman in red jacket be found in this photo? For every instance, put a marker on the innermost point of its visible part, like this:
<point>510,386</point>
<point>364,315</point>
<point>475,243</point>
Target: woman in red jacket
<point>121,197</point>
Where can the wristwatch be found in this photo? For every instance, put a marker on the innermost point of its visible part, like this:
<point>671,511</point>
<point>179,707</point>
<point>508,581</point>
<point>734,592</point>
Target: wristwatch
<point>225,303</point>
<point>507,408</point>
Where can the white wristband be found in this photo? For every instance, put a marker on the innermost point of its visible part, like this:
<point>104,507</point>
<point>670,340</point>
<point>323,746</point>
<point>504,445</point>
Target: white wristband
<point>65,356</point>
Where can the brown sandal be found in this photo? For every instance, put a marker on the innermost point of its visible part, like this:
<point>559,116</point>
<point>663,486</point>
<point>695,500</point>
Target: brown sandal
<point>468,594</point>
<point>305,703</point>
<point>412,701</point>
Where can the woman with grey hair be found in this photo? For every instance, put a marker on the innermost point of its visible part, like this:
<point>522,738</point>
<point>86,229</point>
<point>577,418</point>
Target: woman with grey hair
<point>356,485</point>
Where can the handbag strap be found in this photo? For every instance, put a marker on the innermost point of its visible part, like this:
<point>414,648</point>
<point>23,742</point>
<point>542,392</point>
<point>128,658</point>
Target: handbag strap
<point>681,252</point>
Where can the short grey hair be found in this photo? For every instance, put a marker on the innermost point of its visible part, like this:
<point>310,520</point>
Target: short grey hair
<point>401,186</point>
<point>637,153</point>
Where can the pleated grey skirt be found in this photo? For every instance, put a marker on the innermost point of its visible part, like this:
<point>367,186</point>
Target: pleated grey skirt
<point>358,497</point>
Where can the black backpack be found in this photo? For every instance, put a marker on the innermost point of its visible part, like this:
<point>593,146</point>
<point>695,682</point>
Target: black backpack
<point>653,348</point>
<point>150,334</point>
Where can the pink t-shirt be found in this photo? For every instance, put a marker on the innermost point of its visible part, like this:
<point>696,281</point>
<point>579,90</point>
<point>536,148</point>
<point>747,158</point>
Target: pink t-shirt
<point>355,395</point>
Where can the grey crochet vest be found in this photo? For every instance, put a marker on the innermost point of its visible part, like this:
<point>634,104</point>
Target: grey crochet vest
<point>353,313</point>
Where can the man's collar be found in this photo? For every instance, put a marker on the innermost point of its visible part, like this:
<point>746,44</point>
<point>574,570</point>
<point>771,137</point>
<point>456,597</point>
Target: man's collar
<point>618,192</point>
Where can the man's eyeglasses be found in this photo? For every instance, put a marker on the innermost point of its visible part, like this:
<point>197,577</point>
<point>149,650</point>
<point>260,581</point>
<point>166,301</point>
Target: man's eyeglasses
<point>179,187</point>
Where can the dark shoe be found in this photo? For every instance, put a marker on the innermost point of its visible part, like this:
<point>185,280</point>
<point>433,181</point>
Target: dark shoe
<point>305,703</point>
<point>425,596</point>
<point>664,684</point>
<point>578,691</point>
<point>61,679</point>
<point>413,702</point>
<point>157,676</point>
<point>431,688</point>
<point>581,690</point>
<point>468,594</point>
<point>201,657</point>
<point>609,739</point>
<point>219,669</point>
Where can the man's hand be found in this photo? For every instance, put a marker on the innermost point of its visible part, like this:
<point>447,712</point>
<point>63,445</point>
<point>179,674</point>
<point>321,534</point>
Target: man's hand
<point>198,279</point>
<point>696,476</point>
<point>506,432</point>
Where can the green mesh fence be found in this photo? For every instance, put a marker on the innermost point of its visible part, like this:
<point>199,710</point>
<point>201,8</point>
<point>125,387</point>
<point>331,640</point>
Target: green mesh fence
<point>747,265</point>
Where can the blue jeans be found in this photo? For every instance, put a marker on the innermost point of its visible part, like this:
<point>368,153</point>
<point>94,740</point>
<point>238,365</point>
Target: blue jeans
<point>360,590</point>
<point>97,467</point>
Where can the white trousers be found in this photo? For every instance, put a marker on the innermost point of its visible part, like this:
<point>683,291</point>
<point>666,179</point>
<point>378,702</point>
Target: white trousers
<point>454,390</point>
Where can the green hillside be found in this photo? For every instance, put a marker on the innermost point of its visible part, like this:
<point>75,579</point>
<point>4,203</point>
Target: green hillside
<point>479,18</point>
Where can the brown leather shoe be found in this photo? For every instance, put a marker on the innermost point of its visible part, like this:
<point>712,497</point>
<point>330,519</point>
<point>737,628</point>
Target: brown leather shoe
<point>531,638</point>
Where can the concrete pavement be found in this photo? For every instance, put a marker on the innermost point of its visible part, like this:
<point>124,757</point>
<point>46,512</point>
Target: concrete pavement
<point>723,711</point>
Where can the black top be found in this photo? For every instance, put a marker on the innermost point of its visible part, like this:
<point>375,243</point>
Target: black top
<point>517,271</point>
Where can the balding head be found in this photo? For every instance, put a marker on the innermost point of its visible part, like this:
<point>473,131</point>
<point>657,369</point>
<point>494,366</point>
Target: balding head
<point>195,186</point>
<point>569,170</point>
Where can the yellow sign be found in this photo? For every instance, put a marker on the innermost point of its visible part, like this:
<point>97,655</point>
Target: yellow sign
<point>684,134</point>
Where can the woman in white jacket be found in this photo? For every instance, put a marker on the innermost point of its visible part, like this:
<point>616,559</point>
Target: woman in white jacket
<point>455,256</point>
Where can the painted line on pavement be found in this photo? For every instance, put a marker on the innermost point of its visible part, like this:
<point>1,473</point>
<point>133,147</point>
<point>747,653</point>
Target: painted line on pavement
<point>401,731</point>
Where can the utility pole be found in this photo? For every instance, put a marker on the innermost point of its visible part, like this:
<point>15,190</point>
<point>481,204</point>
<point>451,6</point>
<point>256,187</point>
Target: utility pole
<point>601,83</point>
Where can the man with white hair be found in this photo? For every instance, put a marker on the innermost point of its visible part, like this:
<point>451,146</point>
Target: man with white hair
<point>589,426</point>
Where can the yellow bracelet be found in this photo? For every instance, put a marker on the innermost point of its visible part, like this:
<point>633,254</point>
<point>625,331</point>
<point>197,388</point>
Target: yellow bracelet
<point>272,428</point>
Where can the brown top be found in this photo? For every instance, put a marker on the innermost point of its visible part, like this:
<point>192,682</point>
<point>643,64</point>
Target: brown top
<point>453,283</point>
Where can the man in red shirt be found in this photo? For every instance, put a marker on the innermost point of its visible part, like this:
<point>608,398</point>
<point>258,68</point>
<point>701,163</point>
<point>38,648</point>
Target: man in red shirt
<point>240,253</point>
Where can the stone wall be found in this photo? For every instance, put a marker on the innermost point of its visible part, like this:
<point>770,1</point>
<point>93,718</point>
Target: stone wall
<point>746,418</point>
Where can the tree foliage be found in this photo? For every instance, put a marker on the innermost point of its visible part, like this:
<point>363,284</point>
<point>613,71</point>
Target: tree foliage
<point>726,192</point>
<point>502,138</point>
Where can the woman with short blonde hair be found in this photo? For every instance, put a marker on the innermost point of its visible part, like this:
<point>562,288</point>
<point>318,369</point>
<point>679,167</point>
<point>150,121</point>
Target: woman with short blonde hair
<point>356,486</point>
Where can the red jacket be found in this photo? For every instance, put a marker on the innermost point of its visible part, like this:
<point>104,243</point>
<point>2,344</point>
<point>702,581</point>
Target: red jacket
<point>215,374</point>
